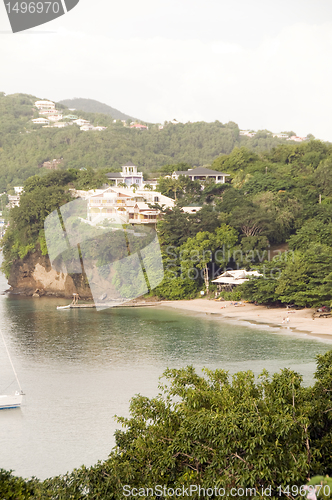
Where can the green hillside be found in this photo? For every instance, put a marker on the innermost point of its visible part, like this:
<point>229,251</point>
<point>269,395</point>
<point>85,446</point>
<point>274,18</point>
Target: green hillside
<point>24,147</point>
<point>281,196</point>
<point>92,106</point>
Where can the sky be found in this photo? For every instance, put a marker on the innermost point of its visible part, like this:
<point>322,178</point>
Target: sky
<point>264,65</point>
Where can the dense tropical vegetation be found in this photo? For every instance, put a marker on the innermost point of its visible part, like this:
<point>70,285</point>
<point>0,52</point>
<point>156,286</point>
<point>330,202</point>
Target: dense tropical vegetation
<point>24,147</point>
<point>280,198</point>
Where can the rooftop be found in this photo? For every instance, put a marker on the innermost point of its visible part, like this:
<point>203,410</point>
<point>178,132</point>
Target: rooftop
<point>199,171</point>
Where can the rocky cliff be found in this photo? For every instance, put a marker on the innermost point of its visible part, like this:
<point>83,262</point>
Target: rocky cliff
<point>34,275</point>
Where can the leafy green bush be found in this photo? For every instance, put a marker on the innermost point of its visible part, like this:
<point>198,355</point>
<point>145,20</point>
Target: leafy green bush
<point>235,295</point>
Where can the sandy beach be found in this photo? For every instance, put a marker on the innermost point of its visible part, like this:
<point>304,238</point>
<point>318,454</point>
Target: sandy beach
<point>300,320</point>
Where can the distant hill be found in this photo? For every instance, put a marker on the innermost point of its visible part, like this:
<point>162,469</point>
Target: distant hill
<point>92,106</point>
<point>25,147</point>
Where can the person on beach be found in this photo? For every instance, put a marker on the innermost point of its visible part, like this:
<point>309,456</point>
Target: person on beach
<point>75,298</point>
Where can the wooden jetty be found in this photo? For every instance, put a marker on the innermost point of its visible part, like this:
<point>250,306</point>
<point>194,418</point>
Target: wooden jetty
<point>107,305</point>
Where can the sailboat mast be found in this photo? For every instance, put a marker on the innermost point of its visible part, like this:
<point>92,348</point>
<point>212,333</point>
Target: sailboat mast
<point>10,360</point>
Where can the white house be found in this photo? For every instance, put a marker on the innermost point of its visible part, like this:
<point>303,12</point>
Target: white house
<point>85,128</point>
<point>296,138</point>
<point>46,112</point>
<point>60,124</point>
<point>40,121</point>
<point>80,122</point>
<point>129,175</point>
<point>236,277</point>
<point>14,200</point>
<point>139,126</point>
<point>280,136</point>
<point>55,118</point>
<point>125,206</point>
<point>247,133</point>
<point>45,105</point>
<point>202,174</point>
<point>191,210</point>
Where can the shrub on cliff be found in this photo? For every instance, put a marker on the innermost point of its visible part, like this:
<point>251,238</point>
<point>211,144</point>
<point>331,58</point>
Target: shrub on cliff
<point>41,196</point>
<point>26,222</point>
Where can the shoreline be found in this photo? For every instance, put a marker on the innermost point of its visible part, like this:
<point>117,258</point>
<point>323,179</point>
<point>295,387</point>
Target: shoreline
<point>299,320</point>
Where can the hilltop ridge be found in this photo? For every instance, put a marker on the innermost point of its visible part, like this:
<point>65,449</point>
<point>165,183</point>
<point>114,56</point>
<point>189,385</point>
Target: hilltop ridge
<point>93,106</point>
<point>27,147</point>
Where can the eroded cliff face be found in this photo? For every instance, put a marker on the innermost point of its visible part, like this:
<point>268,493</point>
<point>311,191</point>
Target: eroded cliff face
<point>34,275</point>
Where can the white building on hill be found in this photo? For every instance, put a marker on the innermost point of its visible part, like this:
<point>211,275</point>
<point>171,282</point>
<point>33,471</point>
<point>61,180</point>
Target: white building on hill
<point>40,121</point>
<point>80,122</point>
<point>201,174</point>
<point>45,105</point>
<point>55,117</point>
<point>125,206</point>
<point>129,175</point>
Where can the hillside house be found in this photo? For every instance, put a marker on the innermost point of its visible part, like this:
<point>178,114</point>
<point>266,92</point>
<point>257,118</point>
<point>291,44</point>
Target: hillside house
<point>45,105</point>
<point>48,112</point>
<point>40,121</point>
<point>125,206</point>
<point>280,136</point>
<point>142,214</point>
<point>129,175</point>
<point>80,122</point>
<point>85,128</point>
<point>139,126</point>
<point>14,200</point>
<point>296,138</point>
<point>60,124</point>
<point>201,174</point>
<point>247,133</point>
<point>53,164</point>
<point>190,210</point>
<point>55,118</point>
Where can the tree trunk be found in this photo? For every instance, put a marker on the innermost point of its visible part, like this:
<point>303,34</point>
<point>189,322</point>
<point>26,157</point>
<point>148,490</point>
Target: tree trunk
<point>206,278</point>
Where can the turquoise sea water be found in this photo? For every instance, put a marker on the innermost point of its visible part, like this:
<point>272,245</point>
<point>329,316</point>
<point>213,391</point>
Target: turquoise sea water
<point>79,368</point>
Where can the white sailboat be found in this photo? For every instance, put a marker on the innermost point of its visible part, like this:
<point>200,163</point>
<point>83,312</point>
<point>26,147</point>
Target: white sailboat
<point>8,401</point>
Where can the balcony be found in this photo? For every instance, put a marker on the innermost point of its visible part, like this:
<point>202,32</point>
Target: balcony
<point>143,221</point>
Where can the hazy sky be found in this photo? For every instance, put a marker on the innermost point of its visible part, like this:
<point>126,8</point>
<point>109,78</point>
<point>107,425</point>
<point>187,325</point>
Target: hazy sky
<point>261,64</point>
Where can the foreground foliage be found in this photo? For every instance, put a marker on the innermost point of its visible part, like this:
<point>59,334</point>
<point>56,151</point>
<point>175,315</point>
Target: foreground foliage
<point>212,431</point>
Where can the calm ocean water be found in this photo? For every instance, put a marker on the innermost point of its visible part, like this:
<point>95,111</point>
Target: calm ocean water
<point>79,368</point>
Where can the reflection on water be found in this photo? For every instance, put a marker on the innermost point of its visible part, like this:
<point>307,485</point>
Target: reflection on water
<point>80,367</point>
